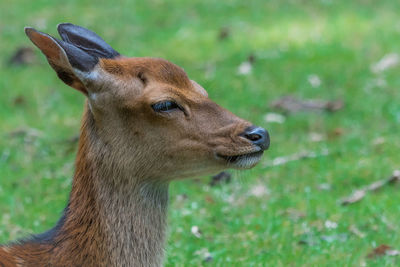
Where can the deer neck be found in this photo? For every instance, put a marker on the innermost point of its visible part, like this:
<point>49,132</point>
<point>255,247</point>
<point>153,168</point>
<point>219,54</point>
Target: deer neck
<point>122,216</point>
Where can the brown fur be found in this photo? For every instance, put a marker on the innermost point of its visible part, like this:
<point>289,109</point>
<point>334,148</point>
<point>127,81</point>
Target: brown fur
<point>128,154</point>
<point>6,259</point>
<point>158,68</point>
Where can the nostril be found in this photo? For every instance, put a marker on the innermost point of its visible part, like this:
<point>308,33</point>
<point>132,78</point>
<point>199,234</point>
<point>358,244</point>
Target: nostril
<point>258,136</point>
<point>253,137</point>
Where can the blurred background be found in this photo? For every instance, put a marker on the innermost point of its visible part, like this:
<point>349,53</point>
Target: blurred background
<point>321,75</point>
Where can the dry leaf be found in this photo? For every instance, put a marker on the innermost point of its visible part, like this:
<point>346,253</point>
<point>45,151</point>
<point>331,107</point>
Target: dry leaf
<point>316,137</point>
<point>330,224</point>
<point>274,118</point>
<point>224,33</point>
<point>205,254</point>
<point>334,237</point>
<point>395,177</point>
<point>392,252</point>
<point>196,231</point>
<point>324,187</point>
<point>353,229</point>
<point>209,199</point>
<point>388,224</point>
<point>378,141</point>
<point>335,133</point>
<point>387,62</point>
<point>181,198</point>
<point>259,191</point>
<point>19,100</point>
<point>383,250</point>
<point>314,80</point>
<point>244,68</point>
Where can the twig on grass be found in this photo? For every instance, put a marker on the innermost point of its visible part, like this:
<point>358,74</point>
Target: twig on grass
<point>291,104</point>
<point>359,194</point>
<point>295,157</point>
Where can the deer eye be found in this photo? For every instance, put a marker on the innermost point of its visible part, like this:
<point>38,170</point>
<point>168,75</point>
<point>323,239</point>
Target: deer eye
<point>165,106</point>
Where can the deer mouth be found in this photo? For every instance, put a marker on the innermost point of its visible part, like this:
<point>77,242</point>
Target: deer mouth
<point>243,161</point>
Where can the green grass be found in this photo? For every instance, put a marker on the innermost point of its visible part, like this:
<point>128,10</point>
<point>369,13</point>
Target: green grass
<point>336,40</point>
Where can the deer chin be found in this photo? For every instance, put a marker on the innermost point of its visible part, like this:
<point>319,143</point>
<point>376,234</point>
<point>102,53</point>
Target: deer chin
<point>242,161</point>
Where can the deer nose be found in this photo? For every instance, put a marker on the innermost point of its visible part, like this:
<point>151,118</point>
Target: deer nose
<point>258,136</point>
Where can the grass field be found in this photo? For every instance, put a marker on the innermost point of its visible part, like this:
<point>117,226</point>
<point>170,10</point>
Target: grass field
<point>286,215</point>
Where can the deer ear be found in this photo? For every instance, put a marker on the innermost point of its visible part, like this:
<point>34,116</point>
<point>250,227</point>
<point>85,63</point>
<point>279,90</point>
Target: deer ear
<point>86,40</point>
<point>64,58</point>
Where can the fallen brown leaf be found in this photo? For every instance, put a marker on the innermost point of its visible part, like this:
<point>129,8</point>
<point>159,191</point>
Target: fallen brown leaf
<point>335,133</point>
<point>383,250</point>
<point>209,199</point>
<point>19,101</point>
<point>224,33</point>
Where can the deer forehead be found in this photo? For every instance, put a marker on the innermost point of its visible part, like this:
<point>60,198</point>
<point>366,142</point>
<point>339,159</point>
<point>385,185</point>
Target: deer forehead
<point>147,69</point>
<point>153,71</point>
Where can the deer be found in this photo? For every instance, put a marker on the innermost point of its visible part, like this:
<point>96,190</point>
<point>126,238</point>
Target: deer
<point>144,125</point>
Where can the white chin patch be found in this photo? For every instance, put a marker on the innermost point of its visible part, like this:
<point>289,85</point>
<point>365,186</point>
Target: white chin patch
<point>247,161</point>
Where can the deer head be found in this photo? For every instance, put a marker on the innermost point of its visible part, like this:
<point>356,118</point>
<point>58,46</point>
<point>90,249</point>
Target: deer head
<point>148,117</point>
